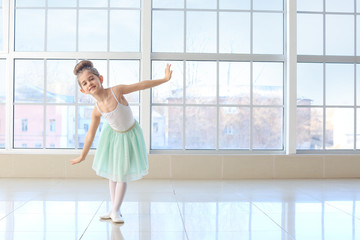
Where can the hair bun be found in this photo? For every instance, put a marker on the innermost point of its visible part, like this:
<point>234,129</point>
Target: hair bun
<point>84,64</point>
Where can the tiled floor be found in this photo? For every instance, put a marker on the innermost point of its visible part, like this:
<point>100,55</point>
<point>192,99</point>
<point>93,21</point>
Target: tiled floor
<point>54,209</point>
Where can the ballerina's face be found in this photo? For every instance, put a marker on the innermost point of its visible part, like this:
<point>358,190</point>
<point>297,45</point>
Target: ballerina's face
<point>89,82</point>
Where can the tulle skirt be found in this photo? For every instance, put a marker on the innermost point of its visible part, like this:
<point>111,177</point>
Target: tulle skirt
<point>121,157</point>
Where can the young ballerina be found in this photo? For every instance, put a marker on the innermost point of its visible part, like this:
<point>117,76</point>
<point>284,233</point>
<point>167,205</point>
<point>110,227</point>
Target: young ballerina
<point>121,153</point>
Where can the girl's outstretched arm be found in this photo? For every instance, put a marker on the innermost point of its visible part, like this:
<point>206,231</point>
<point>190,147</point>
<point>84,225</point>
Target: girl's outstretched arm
<point>125,89</point>
<point>95,121</point>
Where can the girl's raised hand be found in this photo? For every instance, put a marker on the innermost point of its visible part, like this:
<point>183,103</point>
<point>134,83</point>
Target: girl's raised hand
<point>168,72</point>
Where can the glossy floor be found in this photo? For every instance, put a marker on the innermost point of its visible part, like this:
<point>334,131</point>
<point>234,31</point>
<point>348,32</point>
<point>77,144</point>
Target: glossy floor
<point>182,210</point>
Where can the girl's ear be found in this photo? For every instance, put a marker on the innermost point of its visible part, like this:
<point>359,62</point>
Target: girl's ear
<point>82,90</point>
<point>101,79</point>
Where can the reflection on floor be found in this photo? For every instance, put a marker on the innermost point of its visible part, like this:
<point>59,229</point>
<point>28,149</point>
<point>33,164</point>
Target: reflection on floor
<point>182,210</point>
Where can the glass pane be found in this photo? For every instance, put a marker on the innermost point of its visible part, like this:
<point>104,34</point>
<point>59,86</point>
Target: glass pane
<point>200,128</point>
<point>168,3</point>
<point>2,125</point>
<point>358,35</point>
<point>101,66</point>
<point>2,80</point>
<point>30,3</point>
<point>234,4</point>
<point>309,129</point>
<point>267,128</point>
<point>62,3</point>
<point>84,120</point>
<point>93,3</point>
<point>339,6</point>
<point>310,25</point>
<point>268,33</point>
<point>339,128</point>
<point>339,35</point>
<point>358,5</point>
<point>234,128</point>
<point>267,83</point>
<point>61,83</point>
<point>29,30</point>
<point>29,81</point>
<point>234,83</point>
<point>61,30</point>
<point>310,83</point>
<point>201,32</point>
<point>167,127</point>
<point>339,84</point>
<point>125,3</point>
<point>200,82</point>
<point>234,33</point>
<point>358,84</point>
<point>1,30</point>
<point>60,126</point>
<point>172,91</point>
<point>310,5</point>
<point>201,4</point>
<point>93,30</point>
<point>125,72</point>
<point>28,126</point>
<point>125,31</point>
<point>358,128</point>
<point>268,5</point>
<point>165,37</point>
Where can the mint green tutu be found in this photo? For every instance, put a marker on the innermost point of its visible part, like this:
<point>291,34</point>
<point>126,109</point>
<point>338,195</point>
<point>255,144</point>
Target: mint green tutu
<point>121,157</point>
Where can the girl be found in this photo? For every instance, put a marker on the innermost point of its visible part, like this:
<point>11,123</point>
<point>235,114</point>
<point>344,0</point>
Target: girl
<point>121,153</point>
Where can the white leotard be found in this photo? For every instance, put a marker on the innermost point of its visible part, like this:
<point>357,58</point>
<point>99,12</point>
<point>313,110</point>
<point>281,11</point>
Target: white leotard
<point>121,119</point>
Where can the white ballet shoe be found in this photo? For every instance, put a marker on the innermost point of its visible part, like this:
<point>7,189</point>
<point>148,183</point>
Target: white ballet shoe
<point>116,218</point>
<point>106,216</point>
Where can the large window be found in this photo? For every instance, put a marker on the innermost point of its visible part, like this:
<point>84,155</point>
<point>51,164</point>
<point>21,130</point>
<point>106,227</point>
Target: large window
<point>227,91</point>
<point>328,75</point>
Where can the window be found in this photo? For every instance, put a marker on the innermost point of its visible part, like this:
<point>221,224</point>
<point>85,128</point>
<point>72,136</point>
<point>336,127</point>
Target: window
<point>328,74</point>
<point>213,89</point>
<point>2,102</point>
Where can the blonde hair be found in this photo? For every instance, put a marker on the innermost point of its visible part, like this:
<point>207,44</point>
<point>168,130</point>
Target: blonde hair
<point>85,65</point>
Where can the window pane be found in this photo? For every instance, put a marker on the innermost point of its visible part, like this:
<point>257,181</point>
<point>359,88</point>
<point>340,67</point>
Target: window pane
<point>29,30</point>
<point>339,84</point>
<point>1,30</point>
<point>358,5</point>
<point>339,128</point>
<point>358,128</point>
<point>310,5</point>
<point>200,82</point>
<point>62,3</point>
<point>125,3</point>
<point>84,119</point>
<point>267,128</point>
<point>358,84</point>
<point>234,83</point>
<point>358,35</point>
<point>201,4</point>
<point>267,83</point>
<point>93,30</point>
<point>28,126</point>
<point>167,127</point>
<point>201,32</point>
<point>60,126</point>
<point>172,91</point>
<point>234,4</point>
<point>310,25</point>
<point>268,4</point>
<point>339,6</point>
<point>2,80</point>
<point>166,37</point>
<point>309,129</point>
<point>61,30</point>
<point>61,83</point>
<point>234,128</point>
<point>2,125</point>
<point>268,33</point>
<point>200,123</point>
<point>125,31</point>
<point>339,35</point>
<point>30,3</point>
<point>310,83</point>
<point>234,32</point>
<point>168,3</point>
<point>29,81</point>
<point>125,72</point>
<point>93,3</point>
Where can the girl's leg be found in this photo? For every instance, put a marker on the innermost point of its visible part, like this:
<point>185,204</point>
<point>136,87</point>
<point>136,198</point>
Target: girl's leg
<point>120,191</point>
<point>112,188</point>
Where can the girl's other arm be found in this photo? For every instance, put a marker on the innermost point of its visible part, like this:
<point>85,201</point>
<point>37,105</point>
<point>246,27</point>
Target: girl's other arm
<point>95,121</point>
<point>125,89</point>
